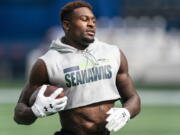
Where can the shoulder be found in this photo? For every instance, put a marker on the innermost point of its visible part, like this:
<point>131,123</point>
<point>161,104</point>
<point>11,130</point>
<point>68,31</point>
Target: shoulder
<point>108,48</point>
<point>38,73</point>
<point>49,53</point>
<point>50,56</point>
<point>107,45</point>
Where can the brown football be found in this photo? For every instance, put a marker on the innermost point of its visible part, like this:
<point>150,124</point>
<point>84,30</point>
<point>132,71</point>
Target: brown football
<point>49,90</point>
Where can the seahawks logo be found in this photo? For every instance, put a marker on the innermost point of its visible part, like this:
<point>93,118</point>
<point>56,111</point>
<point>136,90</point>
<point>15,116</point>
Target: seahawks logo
<point>75,76</point>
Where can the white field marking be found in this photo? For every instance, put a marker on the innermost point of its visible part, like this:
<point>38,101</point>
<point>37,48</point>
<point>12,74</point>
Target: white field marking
<point>159,97</point>
<point>165,97</point>
<point>9,95</point>
<point>148,97</point>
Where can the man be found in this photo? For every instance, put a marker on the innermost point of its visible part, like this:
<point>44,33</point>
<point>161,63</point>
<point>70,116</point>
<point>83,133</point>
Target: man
<point>93,75</point>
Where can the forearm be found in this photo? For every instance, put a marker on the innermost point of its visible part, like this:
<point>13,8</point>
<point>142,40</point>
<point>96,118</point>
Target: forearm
<point>24,115</point>
<point>129,97</point>
<point>132,104</point>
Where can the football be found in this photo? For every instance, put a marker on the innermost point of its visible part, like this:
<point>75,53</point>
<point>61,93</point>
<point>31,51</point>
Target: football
<point>49,90</point>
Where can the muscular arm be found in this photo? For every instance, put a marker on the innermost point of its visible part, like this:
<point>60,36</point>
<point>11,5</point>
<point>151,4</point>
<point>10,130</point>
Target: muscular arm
<point>129,97</point>
<point>23,113</point>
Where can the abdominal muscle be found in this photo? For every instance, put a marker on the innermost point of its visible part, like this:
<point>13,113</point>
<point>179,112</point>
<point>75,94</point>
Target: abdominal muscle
<point>88,120</point>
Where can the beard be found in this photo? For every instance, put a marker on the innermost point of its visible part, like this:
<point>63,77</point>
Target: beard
<point>87,41</point>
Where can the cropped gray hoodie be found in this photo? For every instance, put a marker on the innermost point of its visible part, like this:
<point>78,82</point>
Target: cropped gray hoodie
<point>87,76</point>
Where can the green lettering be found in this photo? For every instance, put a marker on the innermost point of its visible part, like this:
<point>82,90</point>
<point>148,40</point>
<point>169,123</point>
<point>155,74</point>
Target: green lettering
<point>78,78</point>
<point>68,81</point>
<point>100,73</point>
<point>104,72</point>
<point>84,76</point>
<point>73,79</point>
<point>90,75</point>
<point>95,73</point>
<point>109,72</point>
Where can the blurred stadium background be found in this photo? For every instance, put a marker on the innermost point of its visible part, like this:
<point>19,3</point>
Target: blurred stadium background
<point>146,30</point>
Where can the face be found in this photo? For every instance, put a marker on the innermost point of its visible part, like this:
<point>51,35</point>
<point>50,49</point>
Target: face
<point>82,26</point>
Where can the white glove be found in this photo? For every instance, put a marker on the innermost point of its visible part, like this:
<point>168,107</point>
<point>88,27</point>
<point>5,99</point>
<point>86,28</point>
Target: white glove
<point>44,106</point>
<point>118,117</point>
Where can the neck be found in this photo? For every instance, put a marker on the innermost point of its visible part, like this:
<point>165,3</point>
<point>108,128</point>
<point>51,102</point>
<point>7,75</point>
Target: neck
<point>74,44</point>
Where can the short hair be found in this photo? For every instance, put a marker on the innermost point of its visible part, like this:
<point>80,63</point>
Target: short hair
<point>69,8</point>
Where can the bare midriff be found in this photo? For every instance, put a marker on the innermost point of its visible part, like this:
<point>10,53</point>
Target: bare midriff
<point>88,120</point>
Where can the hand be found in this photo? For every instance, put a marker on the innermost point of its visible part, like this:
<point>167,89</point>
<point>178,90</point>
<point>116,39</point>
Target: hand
<point>44,106</point>
<point>118,117</point>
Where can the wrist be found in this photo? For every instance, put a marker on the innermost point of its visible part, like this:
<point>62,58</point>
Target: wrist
<point>127,113</point>
<point>36,111</point>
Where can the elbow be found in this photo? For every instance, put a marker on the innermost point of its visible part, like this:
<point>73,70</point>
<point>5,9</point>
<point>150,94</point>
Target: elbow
<point>21,118</point>
<point>17,115</point>
<point>22,122</point>
<point>18,121</point>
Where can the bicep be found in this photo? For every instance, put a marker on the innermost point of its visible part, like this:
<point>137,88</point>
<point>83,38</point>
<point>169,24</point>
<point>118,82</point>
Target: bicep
<point>124,82</point>
<point>38,77</point>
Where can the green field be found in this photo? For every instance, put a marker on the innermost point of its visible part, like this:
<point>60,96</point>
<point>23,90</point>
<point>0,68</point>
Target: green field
<point>153,120</point>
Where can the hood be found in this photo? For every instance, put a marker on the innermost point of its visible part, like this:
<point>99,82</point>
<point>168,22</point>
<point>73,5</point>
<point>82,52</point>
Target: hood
<point>64,48</point>
<point>87,53</point>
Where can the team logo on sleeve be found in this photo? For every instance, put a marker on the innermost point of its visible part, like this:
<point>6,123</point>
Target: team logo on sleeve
<point>75,76</point>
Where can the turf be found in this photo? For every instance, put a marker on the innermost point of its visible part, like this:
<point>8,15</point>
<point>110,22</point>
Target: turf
<point>153,120</point>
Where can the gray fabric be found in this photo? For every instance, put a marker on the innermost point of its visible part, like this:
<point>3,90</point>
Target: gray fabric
<point>87,76</point>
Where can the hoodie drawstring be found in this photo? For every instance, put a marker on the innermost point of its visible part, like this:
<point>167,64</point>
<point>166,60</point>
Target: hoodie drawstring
<point>90,58</point>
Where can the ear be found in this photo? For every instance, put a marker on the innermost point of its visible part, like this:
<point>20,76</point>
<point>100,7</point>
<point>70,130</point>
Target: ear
<point>66,25</point>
